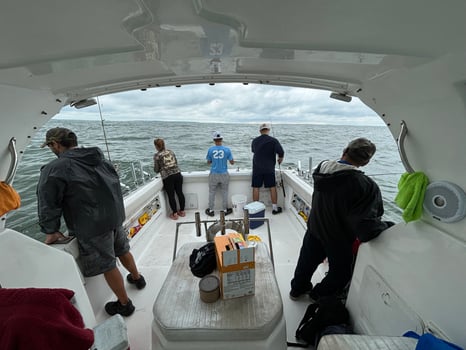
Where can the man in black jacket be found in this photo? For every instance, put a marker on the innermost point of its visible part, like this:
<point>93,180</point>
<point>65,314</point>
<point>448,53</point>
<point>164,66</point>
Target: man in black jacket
<point>346,205</point>
<point>84,188</point>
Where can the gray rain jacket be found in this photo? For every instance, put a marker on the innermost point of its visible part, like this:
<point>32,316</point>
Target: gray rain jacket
<point>83,187</point>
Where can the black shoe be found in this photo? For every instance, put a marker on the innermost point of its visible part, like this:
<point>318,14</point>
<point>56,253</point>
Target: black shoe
<point>228,211</point>
<point>297,294</point>
<point>278,211</point>
<point>140,283</point>
<point>209,212</point>
<point>115,307</point>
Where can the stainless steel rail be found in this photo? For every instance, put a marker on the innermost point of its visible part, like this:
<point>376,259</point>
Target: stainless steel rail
<point>401,147</point>
<point>239,225</point>
<point>14,161</point>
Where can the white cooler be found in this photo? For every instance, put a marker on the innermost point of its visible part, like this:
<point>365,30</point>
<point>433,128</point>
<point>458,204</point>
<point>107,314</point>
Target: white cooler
<point>256,210</point>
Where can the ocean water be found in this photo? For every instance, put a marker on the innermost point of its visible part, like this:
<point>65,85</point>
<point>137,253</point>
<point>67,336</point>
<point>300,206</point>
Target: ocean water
<point>129,144</point>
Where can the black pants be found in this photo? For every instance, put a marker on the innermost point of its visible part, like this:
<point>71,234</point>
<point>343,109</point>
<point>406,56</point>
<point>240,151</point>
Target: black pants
<point>313,252</point>
<point>174,184</point>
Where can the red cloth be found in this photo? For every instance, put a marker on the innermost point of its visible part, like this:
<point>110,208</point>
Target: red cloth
<point>41,318</point>
<point>356,245</point>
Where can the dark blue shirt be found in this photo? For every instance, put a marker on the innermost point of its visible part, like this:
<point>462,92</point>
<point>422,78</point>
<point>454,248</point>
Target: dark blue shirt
<point>265,149</point>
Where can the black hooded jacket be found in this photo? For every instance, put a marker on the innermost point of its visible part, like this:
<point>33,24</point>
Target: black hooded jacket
<point>83,187</point>
<point>346,204</point>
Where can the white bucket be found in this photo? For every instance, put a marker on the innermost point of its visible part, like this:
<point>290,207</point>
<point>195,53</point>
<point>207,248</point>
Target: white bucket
<point>238,202</point>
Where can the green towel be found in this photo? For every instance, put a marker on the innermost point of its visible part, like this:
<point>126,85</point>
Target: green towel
<point>410,197</point>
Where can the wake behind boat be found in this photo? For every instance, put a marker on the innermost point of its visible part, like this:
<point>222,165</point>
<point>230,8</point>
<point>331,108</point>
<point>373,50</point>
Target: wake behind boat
<point>403,60</point>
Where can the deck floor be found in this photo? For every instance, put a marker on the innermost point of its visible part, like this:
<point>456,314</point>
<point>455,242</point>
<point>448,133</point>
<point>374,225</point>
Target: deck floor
<point>153,250</point>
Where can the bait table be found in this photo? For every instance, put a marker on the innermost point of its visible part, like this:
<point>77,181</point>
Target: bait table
<point>183,321</point>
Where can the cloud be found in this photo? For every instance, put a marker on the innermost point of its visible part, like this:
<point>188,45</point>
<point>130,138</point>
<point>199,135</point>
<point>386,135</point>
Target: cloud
<point>228,103</point>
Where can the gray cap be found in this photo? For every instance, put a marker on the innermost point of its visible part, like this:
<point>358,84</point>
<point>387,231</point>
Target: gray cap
<point>58,135</point>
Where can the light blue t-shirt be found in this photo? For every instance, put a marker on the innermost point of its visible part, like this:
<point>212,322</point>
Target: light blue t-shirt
<point>219,156</point>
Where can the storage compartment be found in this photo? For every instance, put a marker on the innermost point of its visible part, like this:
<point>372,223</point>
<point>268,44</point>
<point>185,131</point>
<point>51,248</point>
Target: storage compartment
<point>256,210</point>
<point>381,311</point>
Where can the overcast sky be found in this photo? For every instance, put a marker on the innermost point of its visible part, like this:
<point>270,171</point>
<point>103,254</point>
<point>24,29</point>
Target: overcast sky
<point>236,103</point>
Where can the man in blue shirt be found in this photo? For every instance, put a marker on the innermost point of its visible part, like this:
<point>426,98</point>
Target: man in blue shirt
<point>218,156</point>
<point>266,149</point>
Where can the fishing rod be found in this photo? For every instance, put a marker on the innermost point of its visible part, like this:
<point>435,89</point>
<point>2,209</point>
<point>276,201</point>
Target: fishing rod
<point>103,129</point>
<point>281,180</point>
<point>279,168</point>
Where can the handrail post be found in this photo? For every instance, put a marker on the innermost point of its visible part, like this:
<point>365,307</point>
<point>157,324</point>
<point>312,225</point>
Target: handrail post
<point>197,219</point>
<point>133,171</point>
<point>14,161</point>
<point>246,223</point>
<point>222,222</point>
<point>401,147</point>
<point>142,173</point>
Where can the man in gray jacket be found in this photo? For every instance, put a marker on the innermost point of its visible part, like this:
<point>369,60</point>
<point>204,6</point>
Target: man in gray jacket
<point>84,188</point>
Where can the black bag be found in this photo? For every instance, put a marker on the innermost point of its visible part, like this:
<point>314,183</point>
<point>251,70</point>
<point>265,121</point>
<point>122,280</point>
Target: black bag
<point>327,311</point>
<point>202,261</point>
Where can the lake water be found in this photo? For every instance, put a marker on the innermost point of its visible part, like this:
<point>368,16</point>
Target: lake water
<point>128,141</point>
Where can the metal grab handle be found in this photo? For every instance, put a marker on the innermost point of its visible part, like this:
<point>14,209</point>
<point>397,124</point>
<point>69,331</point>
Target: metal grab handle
<point>401,147</point>
<point>14,161</point>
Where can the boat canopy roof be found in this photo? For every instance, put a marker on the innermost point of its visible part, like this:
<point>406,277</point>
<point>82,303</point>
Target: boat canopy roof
<point>404,59</point>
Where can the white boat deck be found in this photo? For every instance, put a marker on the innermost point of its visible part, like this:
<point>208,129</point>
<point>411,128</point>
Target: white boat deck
<point>153,251</point>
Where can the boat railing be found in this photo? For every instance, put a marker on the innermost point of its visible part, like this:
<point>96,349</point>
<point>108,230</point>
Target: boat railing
<point>306,175</point>
<point>133,174</point>
<point>393,213</point>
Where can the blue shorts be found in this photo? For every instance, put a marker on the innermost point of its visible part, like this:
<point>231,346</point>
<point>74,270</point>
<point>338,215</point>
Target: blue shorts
<point>268,180</point>
<point>97,254</point>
